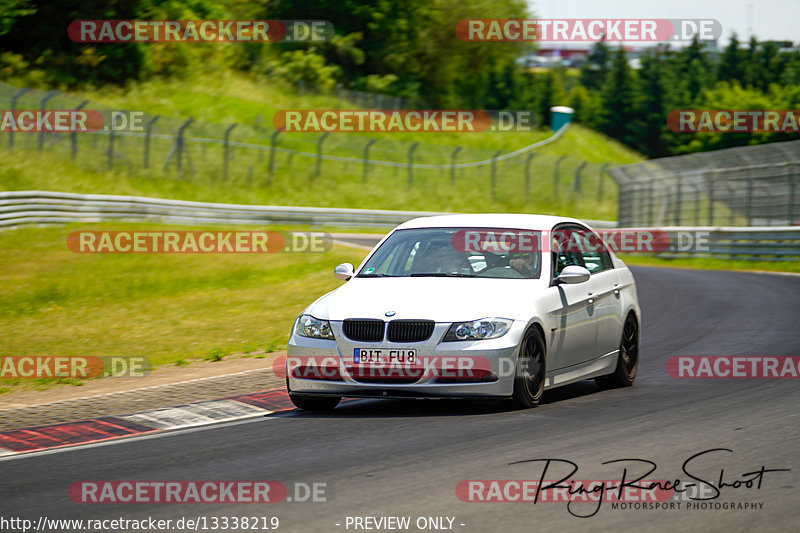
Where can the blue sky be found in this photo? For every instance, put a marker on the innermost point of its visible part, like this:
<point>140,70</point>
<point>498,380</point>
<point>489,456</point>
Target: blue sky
<point>771,19</point>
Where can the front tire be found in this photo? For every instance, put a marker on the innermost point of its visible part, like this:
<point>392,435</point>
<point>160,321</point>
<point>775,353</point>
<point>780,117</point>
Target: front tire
<point>312,403</point>
<point>628,358</point>
<point>530,372</point>
<point>315,403</point>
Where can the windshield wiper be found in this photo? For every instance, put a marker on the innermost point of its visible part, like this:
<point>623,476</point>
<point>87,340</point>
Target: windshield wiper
<point>440,275</point>
<point>376,276</point>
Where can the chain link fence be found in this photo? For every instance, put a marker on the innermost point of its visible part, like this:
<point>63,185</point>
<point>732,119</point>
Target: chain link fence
<point>747,186</point>
<point>256,155</point>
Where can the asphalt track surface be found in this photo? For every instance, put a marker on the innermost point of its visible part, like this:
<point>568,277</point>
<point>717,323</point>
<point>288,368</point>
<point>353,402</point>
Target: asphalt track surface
<point>405,458</point>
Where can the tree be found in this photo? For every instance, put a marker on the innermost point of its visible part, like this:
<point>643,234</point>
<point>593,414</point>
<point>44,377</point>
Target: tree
<point>650,129</point>
<point>594,70</point>
<point>616,117</point>
<point>730,65</point>
<point>551,94</point>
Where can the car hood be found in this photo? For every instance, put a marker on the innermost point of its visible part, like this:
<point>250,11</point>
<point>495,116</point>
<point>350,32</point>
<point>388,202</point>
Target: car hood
<point>439,299</point>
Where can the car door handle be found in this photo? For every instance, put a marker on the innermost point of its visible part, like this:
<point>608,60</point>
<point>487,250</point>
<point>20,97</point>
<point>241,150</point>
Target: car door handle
<point>616,289</point>
<point>591,298</point>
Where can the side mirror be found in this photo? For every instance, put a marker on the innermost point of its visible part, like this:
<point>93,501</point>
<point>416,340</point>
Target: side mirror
<point>343,272</point>
<point>573,274</point>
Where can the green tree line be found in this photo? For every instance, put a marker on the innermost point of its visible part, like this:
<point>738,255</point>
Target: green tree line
<point>409,48</point>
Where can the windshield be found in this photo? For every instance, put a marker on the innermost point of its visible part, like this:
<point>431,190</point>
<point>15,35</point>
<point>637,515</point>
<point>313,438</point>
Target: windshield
<point>457,252</point>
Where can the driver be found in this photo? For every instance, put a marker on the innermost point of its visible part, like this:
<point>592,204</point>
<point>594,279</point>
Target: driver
<point>522,264</point>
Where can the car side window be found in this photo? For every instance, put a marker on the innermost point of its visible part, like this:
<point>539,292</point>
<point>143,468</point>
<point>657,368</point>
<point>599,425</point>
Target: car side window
<point>597,260</point>
<point>565,259</point>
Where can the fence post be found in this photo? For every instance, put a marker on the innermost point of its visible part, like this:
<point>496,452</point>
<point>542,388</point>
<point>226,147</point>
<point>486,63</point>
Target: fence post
<point>494,170</point>
<point>453,165</point>
<point>556,176</point>
<point>410,163</point>
<point>603,170</point>
<point>177,146</point>
<point>272,142</point>
<point>710,182</point>
<point>225,151</point>
<point>13,108</point>
<point>576,183</point>
<point>74,134</point>
<point>528,174</point>
<point>182,145</point>
<point>749,205</point>
<point>319,153</point>
<point>110,150</point>
<point>791,196</point>
<point>678,200</point>
<point>43,106</point>
<point>147,133</point>
<point>366,157</point>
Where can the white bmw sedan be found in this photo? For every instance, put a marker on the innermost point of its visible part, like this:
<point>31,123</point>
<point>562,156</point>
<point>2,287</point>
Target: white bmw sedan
<point>488,306</point>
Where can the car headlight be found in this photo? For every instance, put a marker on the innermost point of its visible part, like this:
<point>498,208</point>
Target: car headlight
<point>308,326</point>
<point>485,328</point>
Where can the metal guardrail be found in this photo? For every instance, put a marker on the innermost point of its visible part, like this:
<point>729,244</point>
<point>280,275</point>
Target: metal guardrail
<point>773,243</point>
<point>47,207</point>
<point>18,208</point>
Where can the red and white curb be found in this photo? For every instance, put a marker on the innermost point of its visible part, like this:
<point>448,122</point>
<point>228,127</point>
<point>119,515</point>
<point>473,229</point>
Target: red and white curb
<point>105,428</point>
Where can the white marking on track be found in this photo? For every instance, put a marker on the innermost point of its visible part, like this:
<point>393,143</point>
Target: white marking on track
<point>196,414</point>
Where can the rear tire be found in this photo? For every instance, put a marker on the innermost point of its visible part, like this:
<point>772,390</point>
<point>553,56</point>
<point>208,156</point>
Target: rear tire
<point>530,372</point>
<point>627,360</point>
<point>315,403</point>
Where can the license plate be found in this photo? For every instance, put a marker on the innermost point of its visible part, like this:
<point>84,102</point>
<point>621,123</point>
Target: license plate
<point>382,356</point>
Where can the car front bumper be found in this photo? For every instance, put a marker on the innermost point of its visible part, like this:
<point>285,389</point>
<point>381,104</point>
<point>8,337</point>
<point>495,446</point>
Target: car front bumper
<point>496,355</point>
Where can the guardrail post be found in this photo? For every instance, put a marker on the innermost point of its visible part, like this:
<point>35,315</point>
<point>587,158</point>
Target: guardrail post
<point>678,200</point>
<point>147,133</point>
<point>14,108</point>
<point>319,153</point>
<point>411,163</point>
<point>556,176</point>
<point>43,106</point>
<point>272,142</point>
<point>651,201</point>
<point>366,158</point>
<point>453,165</point>
<point>74,134</point>
<point>528,174</point>
<point>225,151</point>
<point>603,170</point>
<point>494,170</point>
